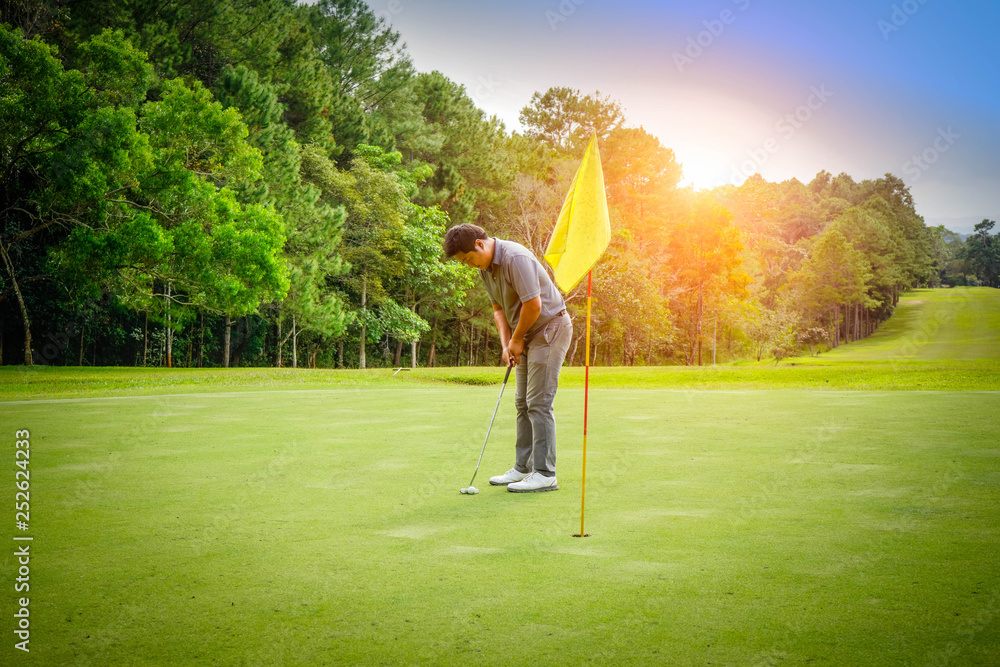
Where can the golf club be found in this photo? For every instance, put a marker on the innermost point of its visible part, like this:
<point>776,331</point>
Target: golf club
<point>471,490</point>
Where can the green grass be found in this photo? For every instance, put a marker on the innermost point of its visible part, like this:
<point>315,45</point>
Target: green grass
<point>743,515</point>
<point>325,526</point>
<point>932,325</point>
<point>942,340</point>
<point>18,383</point>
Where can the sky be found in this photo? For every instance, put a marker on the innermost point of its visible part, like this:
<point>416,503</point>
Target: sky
<point>733,87</point>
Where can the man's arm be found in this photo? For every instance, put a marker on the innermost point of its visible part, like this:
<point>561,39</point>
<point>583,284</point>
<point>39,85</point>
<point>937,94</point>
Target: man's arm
<point>530,310</point>
<point>503,328</point>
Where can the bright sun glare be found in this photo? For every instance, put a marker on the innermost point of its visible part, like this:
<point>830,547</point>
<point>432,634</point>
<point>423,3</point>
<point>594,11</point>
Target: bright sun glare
<point>704,168</point>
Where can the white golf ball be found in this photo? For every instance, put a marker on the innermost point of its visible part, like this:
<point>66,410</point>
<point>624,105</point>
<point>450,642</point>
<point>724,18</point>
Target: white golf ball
<point>472,490</point>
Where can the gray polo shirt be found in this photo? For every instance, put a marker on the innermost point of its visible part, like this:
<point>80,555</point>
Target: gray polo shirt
<point>517,276</point>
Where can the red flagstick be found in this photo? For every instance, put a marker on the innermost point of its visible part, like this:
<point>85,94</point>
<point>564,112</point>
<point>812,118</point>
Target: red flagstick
<point>586,393</point>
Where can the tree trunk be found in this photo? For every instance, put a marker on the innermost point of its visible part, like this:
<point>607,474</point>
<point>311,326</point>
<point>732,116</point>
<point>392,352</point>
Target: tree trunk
<point>295,343</point>
<point>168,332</point>
<point>79,360</point>
<point>715,335</point>
<point>847,322</point>
<point>236,353</point>
<point>340,353</point>
<point>280,341</point>
<point>701,293</point>
<point>225,342</point>
<point>20,303</point>
<point>430,357</point>
<point>399,354</point>
<point>413,354</point>
<point>201,345</point>
<point>836,325</point>
<point>145,342</point>
<point>364,330</point>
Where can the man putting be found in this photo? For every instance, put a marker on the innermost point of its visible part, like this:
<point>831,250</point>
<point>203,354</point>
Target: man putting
<point>525,298</point>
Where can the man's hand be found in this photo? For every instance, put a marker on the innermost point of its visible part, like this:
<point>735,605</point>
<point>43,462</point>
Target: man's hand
<point>515,348</point>
<point>530,310</point>
<point>504,330</point>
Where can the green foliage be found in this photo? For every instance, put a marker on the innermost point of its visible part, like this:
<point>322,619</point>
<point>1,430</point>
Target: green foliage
<point>467,152</point>
<point>376,205</point>
<point>313,228</point>
<point>705,260</point>
<point>564,119</point>
<point>366,66</point>
<point>983,254</point>
<point>145,199</point>
<point>282,165</point>
<point>629,301</point>
<point>427,278</point>
<point>772,330</point>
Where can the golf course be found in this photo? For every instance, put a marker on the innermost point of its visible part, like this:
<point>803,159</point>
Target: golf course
<point>839,509</point>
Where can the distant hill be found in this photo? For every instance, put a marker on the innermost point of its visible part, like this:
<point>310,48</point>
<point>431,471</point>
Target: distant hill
<point>961,226</point>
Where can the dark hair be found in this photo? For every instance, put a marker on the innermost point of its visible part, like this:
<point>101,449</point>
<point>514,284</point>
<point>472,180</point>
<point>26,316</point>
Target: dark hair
<point>462,238</point>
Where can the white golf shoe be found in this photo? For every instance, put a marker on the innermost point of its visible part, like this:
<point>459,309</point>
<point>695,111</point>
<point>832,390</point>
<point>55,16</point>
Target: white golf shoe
<point>534,482</point>
<point>512,475</point>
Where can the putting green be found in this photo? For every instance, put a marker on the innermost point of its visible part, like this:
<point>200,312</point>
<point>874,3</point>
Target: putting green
<point>327,527</point>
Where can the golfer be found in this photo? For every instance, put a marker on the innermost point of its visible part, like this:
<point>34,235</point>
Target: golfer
<point>535,331</point>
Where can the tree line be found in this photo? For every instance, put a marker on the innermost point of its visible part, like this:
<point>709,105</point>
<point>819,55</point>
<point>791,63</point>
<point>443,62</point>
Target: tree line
<point>257,182</point>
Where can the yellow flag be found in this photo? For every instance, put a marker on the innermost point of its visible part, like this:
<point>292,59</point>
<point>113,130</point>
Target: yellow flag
<point>582,232</point>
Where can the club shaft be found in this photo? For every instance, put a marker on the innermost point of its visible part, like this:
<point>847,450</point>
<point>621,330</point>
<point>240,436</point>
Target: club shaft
<point>492,419</point>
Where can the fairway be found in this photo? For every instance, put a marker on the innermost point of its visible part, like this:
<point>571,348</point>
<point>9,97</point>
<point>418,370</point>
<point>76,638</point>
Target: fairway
<point>301,524</point>
<point>934,324</point>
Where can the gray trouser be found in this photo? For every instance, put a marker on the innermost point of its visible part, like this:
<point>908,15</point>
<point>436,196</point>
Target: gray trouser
<point>537,377</point>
